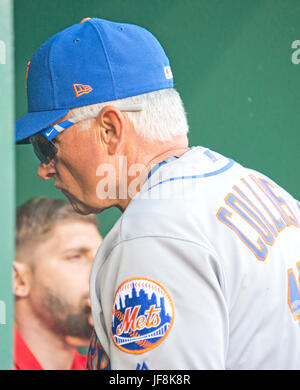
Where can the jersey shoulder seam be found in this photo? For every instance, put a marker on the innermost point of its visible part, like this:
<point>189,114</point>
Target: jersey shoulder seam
<point>122,240</point>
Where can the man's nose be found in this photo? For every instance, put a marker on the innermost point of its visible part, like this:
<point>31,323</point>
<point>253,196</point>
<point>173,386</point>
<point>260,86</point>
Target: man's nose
<point>46,171</point>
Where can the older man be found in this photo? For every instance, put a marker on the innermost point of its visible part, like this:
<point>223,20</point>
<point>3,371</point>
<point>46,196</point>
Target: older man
<point>201,271</point>
<point>55,248</point>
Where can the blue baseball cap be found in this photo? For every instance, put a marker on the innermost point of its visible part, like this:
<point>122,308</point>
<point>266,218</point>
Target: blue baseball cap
<point>91,62</point>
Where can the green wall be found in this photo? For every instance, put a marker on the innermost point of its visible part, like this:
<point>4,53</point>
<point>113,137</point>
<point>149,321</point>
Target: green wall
<point>7,185</point>
<point>232,65</point>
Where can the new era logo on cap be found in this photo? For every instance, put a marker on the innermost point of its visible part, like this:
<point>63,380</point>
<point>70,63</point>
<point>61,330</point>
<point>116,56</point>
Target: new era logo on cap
<point>81,89</point>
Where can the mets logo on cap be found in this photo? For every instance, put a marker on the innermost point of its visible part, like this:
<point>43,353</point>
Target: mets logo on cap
<point>142,315</point>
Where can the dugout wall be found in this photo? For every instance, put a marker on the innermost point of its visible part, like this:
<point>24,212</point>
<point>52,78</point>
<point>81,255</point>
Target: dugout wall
<point>7,174</point>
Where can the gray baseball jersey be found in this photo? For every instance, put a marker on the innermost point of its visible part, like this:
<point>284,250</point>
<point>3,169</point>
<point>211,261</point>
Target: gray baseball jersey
<point>200,272</point>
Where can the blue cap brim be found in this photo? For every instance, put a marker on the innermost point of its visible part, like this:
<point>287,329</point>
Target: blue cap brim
<point>34,122</point>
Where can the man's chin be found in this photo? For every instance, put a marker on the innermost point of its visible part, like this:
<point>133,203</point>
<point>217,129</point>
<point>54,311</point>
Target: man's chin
<point>82,208</point>
<point>79,207</point>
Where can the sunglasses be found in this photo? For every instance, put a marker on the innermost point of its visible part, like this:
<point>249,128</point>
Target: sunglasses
<point>43,146</point>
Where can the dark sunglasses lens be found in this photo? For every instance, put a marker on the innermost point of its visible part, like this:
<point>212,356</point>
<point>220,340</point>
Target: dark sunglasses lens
<point>43,148</point>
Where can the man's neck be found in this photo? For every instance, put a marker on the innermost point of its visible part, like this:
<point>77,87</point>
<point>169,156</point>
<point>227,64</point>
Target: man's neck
<point>164,155</point>
<point>149,160</point>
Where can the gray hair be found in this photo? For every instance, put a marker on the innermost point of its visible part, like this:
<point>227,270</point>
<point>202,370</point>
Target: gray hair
<point>161,117</point>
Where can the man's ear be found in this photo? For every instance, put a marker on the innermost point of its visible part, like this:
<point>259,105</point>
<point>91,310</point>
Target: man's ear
<point>22,279</point>
<point>112,123</point>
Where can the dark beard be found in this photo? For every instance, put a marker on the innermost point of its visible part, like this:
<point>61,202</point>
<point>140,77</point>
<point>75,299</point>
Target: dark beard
<point>77,325</point>
<point>65,319</point>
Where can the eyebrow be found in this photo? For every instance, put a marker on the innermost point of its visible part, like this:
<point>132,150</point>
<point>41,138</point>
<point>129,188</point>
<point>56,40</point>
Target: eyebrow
<point>78,249</point>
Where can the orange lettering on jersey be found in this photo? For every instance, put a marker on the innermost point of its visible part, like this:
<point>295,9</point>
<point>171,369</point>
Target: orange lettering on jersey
<point>132,321</point>
<point>294,292</point>
<point>268,217</point>
<point>259,251</point>
<point>250,218</point>
<point>280,203</point>
<point>152,317</point>
<point>128,321</point>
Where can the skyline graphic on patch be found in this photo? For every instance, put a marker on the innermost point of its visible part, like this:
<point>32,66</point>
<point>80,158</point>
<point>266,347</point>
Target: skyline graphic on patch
<point>142,315</point>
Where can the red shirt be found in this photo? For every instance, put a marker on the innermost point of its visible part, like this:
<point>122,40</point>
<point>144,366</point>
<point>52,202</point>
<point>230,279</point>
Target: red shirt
<point>24,359</point>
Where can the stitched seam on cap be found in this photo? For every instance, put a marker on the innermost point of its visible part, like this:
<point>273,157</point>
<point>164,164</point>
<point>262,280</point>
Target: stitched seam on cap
<point>105,52</point>
<point>50,63</point>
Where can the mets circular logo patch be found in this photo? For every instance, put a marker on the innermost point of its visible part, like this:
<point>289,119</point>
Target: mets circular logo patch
<point>142,315</point>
